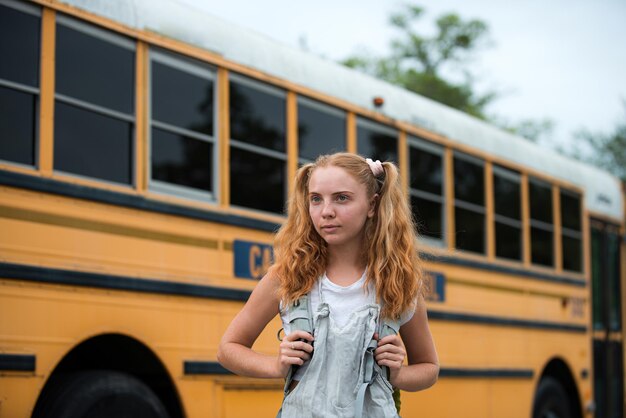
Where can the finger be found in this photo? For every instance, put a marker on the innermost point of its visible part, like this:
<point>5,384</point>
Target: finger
<point>389,356</point>
<point>390,348</point>
<point>390,364</point>
<point>298,354</point>
<point>300,335</point>
<point>293,360</point>
<point>390,339</point>
<point>300,346</point>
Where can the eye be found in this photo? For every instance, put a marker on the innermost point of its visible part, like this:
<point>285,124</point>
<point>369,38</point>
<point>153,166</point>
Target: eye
<point>342,198</point>
<point>315,199</point>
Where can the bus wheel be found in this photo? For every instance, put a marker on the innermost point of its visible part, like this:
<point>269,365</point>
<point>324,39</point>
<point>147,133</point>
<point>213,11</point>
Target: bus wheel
<point>102,394</point>
<point>551,400</point>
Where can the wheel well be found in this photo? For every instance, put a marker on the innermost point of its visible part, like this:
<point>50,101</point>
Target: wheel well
<point>121,353</point>
<point>558,369</point>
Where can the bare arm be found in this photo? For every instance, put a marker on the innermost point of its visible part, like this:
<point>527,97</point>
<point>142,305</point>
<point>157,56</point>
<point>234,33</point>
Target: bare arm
<point>417,344</point>
<point>235,351</point>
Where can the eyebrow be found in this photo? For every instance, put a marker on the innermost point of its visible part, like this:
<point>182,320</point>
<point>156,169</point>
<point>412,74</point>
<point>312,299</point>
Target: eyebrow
<point>334,193</point>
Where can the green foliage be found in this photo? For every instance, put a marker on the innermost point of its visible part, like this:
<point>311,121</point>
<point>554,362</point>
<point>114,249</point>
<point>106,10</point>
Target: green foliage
<point>606,150</point>
<point>530,129</point>
<point>418,62</point>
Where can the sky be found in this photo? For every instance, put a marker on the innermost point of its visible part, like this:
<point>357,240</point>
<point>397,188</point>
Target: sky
<point>564,60</point>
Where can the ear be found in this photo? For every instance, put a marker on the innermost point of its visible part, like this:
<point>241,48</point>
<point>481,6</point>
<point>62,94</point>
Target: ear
<point>373,204</point>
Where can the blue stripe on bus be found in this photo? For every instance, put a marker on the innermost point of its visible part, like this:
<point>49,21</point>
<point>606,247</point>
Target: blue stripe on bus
<point>488,373</point>
<point>45,185</point>
<point>512,322</point>
<point>105,281</point>
<point>194,367</point>
<point>17,362</point>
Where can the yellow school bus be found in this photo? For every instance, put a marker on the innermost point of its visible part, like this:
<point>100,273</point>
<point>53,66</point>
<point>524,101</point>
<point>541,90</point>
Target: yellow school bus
<point>146,154</point>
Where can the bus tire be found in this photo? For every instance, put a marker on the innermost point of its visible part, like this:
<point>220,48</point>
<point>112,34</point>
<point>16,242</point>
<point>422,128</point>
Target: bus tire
<point>102,394</point>
<point>551,400</point>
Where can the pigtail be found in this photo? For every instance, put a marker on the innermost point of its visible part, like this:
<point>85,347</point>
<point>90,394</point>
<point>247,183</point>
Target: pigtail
<point>390,249</point>
<point>393,261</point>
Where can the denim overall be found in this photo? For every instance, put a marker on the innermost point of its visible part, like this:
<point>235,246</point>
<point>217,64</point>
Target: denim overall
<point>342,379</point>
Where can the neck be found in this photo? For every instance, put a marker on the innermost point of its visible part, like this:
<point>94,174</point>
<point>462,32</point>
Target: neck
<point>345,264</point>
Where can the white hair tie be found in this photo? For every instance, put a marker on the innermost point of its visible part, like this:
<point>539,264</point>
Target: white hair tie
<point>375,166</point>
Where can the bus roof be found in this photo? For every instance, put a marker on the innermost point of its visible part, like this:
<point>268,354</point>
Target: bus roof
<point>172,19</point>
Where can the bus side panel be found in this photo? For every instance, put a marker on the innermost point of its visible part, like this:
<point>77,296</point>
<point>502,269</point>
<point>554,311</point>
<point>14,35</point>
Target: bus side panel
<point>48,321</point>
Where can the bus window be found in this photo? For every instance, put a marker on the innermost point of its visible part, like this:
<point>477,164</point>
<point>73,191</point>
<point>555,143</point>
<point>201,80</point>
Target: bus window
<point>426,188</point>
<point>182,146</point>
<point>607,320</point>
<point>376,141</point>
<point>94,107</point>
<point>321,129</point>
<point>258,158</point>
<point>19,81</point>
<point>571,230</point>
<point>541,223</point>
<point>613,285</point>
<point>508,214</point>
<point>469,203</point>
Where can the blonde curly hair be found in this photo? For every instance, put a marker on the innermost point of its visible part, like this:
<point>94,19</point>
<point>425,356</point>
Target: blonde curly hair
<point>390,249</point>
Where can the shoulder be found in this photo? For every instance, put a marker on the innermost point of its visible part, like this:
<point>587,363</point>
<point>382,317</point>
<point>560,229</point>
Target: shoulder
<point>408,314</point>
<point>266,289</point>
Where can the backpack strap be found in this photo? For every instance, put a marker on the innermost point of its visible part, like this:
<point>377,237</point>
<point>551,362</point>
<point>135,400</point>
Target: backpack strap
<point>300,318</point>
<point>388,327</point>
<point>385,327</point>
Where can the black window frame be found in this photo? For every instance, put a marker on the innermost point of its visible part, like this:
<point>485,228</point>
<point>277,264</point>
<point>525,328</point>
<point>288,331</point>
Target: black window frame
<point>256,149</point>
<point>34,91</point>
<point>572,233</point>
<point>539,224</point>
<point>470,206</point>
<point>325,108</point>
<point>427,146</point>
<point>516,177</point>
<point>200,69</point>
<point>123,42</point>
<point>363,122</point>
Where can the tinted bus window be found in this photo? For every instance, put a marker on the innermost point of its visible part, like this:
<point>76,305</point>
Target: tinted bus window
<point>182,146</point>
<point>94,69</point>
<point>257,115</point>
<point>94,107</point>
<point>376,141</point>
<point>508,219</point>
<point>541,223</point>
<point>258,160</point>
<point>17,126</point>
<point>426,187</point>
<point>19,82</point>
<point>181,160</point>
<point>321,129</point>
<point>469,203</point>
<point>571,232</point>
<point>19,49</point>
<point>613,278</point>
<point>91,144</point>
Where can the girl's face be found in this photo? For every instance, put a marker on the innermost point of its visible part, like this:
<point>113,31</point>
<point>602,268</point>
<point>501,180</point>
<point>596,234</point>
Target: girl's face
<point>339,206</point>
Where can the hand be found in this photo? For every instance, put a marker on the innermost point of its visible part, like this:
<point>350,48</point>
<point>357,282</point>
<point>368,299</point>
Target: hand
<point>295,348</point>
<point>391,353</point>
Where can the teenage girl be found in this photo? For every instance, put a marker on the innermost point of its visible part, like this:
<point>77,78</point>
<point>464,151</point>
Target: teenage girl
<point>349,242</point>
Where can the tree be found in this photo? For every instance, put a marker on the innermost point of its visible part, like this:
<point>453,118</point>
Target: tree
<point>419,63</point>
<point>533,130</point>
<point>605,150</point>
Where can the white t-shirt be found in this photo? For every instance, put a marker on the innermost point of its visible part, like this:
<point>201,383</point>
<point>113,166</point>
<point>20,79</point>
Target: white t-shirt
<point>342,301</point>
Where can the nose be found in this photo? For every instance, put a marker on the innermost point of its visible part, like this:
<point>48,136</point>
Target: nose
<point>328,210</point>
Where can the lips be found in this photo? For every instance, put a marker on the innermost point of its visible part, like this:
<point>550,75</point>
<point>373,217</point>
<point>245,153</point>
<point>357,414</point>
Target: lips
<point>330,228</point>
